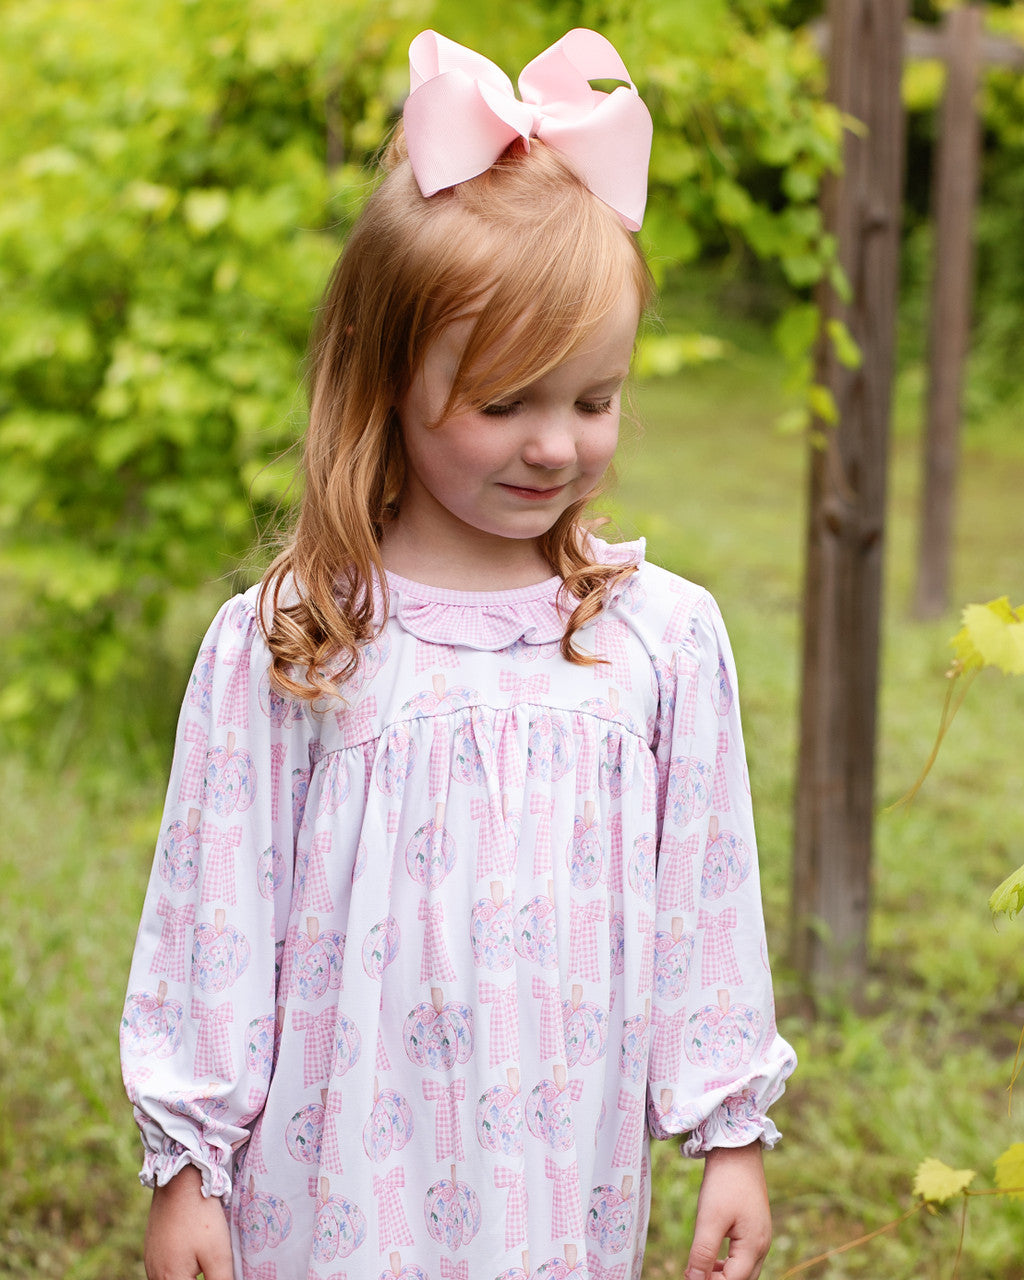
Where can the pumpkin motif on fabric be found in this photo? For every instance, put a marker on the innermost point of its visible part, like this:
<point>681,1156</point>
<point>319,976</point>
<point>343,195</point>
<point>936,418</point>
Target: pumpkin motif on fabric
<point>282,712</point>
<point>472,751</point>
<point>567,1267</point>
<point>549,1109</point>
<point>200,685</point>
<point>643,866</point>
<point>723,1036</point>
<point>300,790</point>
<point>259,1046</point>
<point>317,957</point>
<point>335,784</point>
<point>348,1045</point>
<point>537,930</point>
<point>727,862</point>
<point>438,1034</point>
<point>430,854</point>
<point>452,1212</point>
<point>492,931</point>
<point>673,953</point>
<point>549,749</point>
<point>372,656</point>
<point>635,1044</point>
<point>617,942</point>
<point>229,784</point>
<point>270,871</point>
<point>396,761</point>
<point>499,1117</point>
<point>179,856</point>
<point>152,1024</point>
<point>611,1216</point>
<point>688,794</point>
<point>517,1272</point>
<point>264,1220</point>
<point>586,1029</point>
<point>721,689</point>
<point>665,1116</point>
<point>397,1271</point>
<point>340,1225</point>
<point>380,947</point>
<point>304,1134</point>
<point>220,954</point>
<point>586,850</point>
<point>390,1125</point>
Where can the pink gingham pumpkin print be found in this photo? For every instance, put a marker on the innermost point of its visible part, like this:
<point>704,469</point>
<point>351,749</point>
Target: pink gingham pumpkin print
<point>270,871</point>
<point>586,1029</point>
<point>430,854</point>
<point>689,789</point>
<point>549,1109</point>
<point>397,1270</point>
<point>304,1134</point>
<point>673,954</point>
<point>586,854</point>
<point>549,752</point>
<point>381,946</point>
<point>568,1267</point>
<point>536,932</point>
<point>259,1046</point>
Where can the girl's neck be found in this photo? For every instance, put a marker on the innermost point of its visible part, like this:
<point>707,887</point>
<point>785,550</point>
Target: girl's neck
<point>471,564</point>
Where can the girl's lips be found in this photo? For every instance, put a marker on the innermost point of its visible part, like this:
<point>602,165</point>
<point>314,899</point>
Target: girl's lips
<point>534,495</point>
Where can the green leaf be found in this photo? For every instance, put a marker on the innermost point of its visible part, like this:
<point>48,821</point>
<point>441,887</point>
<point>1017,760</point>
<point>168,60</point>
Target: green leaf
<point>1008,899</point>
<point>1010,1170</point>
<point>847,351</point>
<point>937,1182</point>
<point>205,210</point>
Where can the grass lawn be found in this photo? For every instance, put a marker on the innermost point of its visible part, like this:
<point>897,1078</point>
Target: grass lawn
<point>920,1071</point>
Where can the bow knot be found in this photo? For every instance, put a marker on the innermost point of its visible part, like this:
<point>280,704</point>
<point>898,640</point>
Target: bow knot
<point>462,113</point>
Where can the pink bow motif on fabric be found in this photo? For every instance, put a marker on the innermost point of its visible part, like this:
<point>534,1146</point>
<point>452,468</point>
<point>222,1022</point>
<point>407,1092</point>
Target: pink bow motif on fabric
<point>462,112</point>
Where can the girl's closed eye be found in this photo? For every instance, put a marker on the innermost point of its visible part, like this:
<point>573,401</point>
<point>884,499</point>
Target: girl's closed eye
<point>594,406</point>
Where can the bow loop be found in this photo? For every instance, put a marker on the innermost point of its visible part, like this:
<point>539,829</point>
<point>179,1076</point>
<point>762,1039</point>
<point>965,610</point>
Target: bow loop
<point>462,113</point>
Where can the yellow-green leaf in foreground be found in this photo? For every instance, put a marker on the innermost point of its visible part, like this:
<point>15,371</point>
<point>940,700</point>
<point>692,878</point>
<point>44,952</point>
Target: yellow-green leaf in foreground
<point>1008,899</point>
<point>937,1182</point>
<point>992,635</point>
<point>1010,1170</point>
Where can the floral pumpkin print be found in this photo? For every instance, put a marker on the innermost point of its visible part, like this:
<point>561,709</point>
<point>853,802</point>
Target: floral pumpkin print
<point>229,784</point>
<point>340,1225</point>
<point>259,1046</point>
<point>348,1045</point>
<point>721,689</point>
<point>617,942</point>
<point>673,953</point>
<point>642,866</point>
<point>304,1134</point>
<point>380,947</point>
<point>390,1125</point>
<point>396,761</point>
<point>396,1271</point>
<point>499,1117</point>
<point>282,712</point>
<point>452,1212</point>
<point>300,789</point>
<point>439,1034</point>
<point>586,1029</point>
<point>536,931</point>
<point>316,961</point>
<point>200,685</point>
<point>430,854</point>
<point>179,853</point>
<point>264,1220</point>
<point>220,954</point>
<point>151,1023</point>
<point>564,1268</point>
<point>491,931</point>
<point>633,1050</point>
<point>727,862</point>
<point>472,751</point>
<point>549,1110</point>
<point>611,1216</point>
<point>688,795</point>
<point>586,850</point>
<point>549,750</point>
<point>270,871</point>
<point>723,1036</point>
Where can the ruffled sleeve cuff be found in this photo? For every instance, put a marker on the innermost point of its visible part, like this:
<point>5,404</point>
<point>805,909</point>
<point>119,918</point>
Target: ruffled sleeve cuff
<point>165,1157</point>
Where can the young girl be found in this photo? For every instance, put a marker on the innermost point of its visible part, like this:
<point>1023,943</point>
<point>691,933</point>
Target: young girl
<point>456,901</point>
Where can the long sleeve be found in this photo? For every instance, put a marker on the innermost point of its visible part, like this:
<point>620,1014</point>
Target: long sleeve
<point>717,1061</point>
<point>198,1030</point>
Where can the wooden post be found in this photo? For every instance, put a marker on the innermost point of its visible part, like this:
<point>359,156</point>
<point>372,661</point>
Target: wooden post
<point>955,191</point>
<point>842,602</point>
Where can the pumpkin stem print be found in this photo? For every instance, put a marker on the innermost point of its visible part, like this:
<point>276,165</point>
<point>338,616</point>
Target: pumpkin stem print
<point>611,1216</point>
<point>340,1225</point>
<point>727,862</point>
<point>179,855</point>
<point>586,850</point>
<point>438,1034</point>
<point>152,1024</point>
<point>549,1109</point>
<point>220,954</point>
<point>317,961</point>
<point>229,784</point>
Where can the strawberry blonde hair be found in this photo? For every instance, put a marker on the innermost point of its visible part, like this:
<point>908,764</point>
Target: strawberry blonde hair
<point>538,263</point>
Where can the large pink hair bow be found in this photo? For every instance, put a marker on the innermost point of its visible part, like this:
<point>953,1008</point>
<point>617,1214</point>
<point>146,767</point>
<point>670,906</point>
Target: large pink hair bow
<point>462,113</point>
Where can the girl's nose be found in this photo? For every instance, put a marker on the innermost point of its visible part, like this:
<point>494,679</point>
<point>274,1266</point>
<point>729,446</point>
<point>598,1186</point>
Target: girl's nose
<point>551,445</point>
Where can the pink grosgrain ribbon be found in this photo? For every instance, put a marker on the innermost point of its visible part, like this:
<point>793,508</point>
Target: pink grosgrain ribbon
<point>462,113</point>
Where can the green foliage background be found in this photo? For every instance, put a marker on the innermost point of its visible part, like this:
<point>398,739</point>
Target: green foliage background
<point>178,176</point>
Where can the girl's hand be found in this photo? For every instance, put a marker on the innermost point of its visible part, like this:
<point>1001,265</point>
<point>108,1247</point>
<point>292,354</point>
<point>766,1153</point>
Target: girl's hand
<point>733,1205</point>
<point>187,1232</point>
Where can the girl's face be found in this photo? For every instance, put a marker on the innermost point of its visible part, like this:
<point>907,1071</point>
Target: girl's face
<point>484,484</point>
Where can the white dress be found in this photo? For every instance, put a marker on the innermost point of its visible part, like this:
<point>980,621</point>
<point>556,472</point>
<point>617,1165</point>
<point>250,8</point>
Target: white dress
<point>417,978</point>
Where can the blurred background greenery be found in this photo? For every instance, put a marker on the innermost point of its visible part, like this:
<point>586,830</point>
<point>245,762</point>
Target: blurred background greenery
<point>176,178</point>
